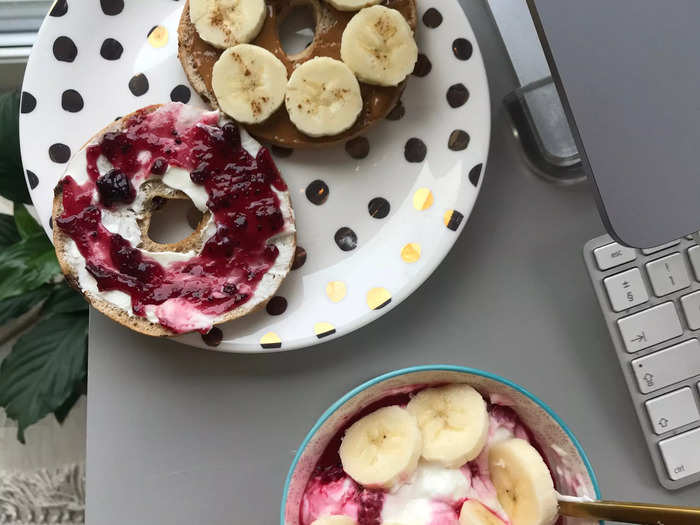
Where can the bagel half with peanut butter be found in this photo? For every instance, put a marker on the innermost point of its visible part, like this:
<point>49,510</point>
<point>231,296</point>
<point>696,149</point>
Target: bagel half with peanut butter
<point>349,77</point>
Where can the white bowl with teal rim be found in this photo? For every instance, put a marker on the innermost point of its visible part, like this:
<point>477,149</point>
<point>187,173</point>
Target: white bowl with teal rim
<point>571,469</point>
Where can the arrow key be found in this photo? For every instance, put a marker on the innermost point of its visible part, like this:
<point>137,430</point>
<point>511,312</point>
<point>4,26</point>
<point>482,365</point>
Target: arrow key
<point>672,410</point>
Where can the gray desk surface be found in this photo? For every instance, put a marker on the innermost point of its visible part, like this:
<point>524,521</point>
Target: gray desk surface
<point>183,436</point>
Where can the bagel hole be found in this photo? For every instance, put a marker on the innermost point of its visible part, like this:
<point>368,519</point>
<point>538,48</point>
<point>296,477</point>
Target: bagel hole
<point>297,29</point>
<point>173,220</point>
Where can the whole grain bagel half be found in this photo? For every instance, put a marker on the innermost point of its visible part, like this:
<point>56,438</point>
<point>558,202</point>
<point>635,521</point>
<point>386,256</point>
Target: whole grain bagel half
<point>132,221</point>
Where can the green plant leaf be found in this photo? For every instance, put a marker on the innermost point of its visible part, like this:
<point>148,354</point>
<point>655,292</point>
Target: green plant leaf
<point>8,230</point>
<point>44,368</point>
<point>64,300</point>
<point>61,413</point>
<point>15,306</point>
<point>26,224</point>
<point>26,265</point>
<point>12,184</point>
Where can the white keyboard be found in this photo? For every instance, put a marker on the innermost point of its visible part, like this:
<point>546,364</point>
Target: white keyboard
<point>651,303</point>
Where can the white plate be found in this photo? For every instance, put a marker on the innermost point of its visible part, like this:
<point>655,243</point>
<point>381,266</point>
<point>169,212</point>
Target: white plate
<point>71,91</point>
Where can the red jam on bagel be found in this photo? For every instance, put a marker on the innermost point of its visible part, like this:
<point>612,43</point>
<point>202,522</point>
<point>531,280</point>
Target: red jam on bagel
<point>231,264</point>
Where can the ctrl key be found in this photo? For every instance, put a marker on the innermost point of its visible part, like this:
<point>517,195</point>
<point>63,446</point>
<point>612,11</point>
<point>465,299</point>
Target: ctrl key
<point>680,454</point>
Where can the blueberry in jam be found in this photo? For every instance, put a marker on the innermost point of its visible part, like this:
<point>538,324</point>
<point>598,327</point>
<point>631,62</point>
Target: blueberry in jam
<point>232,134</point>
<point>115,188</point>
<point>115,143</point>
<point>160,166</point>
<point>200,174</point>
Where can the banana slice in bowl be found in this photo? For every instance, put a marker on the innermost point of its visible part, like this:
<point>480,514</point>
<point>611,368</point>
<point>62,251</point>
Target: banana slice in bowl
<point>382,449</point>
<point>454,423</point>
<point>474,513</point>
<point>523,483</point>
<point>334,520</point>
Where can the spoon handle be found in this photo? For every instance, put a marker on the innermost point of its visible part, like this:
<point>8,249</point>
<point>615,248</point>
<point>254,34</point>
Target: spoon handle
<point>641,513</point>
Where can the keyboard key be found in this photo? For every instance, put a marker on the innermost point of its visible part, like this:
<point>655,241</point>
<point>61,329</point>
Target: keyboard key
<point>668,274</point>
<point>669,366</point>
<point>650,327</point>
<point>655,249</point>
<point>694,256</point>
<point>691,308</point>
<point>612,255</point>
<point>680,454</point>
<point>626,289</point>
<point>672,410</point>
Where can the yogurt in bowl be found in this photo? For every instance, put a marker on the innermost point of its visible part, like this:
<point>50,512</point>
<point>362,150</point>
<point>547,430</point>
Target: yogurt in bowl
<point>436,445</point>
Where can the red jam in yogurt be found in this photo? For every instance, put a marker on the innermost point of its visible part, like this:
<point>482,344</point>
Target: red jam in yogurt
<point>241,197</point>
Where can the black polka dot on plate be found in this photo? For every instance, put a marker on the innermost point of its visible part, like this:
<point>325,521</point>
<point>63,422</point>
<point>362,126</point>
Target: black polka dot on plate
<point>357,148</point>
<point>112,7</point>
<point>398,112</point>
<point>317,192</point>
<point>277,305</point>
<point>459,140</point>
<point>462,48</point>
<point>59,153</point>
<point>423,66</point>
<point>111,49</point>
<point>281,152</point>
<point>51,222</point>
<point>72,101</point>
<point>64,49</point>
<point>432,18</point>
<point>33,179</point>
<point>60,8</point>
<point>457,95</point>
<point>379,207</point>
<point>181,93</point>
<point>346,239</point>
<point>453,219</point>
<point>299,258</point>
<point>28,102</point>
<point>475,174</point>
<point>138,85</point>
<point>213,337</point>
<point>415,150</point>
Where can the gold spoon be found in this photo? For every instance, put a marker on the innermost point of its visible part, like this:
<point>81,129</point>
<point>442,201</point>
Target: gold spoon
<point>641,513</point>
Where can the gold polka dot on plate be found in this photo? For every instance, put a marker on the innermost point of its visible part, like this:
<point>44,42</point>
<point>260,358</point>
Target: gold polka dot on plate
<point>271,340</point>
<point>378,298</point>
<point>158,36</point>
<point>423,199</point>
<point>411,252</point>
<point>323,330</point>
<point>336,291</point>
